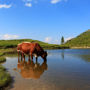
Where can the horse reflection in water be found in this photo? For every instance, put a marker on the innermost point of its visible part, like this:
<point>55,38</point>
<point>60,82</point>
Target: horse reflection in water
<point>30,70</point>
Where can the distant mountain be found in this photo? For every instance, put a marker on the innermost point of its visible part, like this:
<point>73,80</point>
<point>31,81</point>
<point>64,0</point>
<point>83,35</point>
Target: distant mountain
<point>83,40</point>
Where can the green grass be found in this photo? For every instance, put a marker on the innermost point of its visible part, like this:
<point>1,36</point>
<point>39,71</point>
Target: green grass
<point>83,40</point>
<point>13,43</point>
<point>1,54</point>
<point>2,59</point>
<point>4,44</point>
<point>5,78</point>
<point>2,68</point>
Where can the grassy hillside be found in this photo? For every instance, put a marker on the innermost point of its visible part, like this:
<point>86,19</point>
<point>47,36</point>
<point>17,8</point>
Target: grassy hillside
<point>83,40</point>
<point>4,44</point>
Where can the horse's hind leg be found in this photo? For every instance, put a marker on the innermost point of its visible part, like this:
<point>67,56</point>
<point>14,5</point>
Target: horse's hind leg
<point>23,56</point>
<point>29,57</point>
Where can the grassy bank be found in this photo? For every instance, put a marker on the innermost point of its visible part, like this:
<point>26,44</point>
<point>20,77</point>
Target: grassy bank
<point>2,59</point>
<point>80,47</point>
<point>5,78</point>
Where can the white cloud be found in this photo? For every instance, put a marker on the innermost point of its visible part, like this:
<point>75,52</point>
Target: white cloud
<point>55,1</point>
<point>48,39</point>
<point>5,6</point>
<point>28,4</point>
<point>69,38</point>
<point>51,40</point>
<point>8,36</point>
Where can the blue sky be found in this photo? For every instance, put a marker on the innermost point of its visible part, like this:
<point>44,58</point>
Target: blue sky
<point>44,20</point>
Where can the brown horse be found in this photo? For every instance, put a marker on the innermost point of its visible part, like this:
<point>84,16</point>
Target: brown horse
<point>31,49</point>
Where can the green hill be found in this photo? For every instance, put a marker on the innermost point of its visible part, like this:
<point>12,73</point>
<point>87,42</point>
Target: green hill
<point>83,40</point>
<point>4,44</point>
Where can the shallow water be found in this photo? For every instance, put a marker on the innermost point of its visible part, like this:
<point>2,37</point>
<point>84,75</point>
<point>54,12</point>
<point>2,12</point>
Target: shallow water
<point>67,69</point>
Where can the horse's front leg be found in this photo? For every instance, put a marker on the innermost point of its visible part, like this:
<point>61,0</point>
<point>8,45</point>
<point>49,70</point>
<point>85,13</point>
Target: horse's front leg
<point>18,55</point>
<point>18,58</point>
<point>31,56</point>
